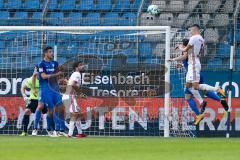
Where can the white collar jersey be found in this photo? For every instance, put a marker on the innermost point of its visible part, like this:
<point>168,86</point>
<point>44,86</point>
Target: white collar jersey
<point>197,43</point>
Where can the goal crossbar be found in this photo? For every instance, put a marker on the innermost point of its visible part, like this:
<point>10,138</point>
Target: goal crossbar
<point>78,28</point>
<point>166,29</point>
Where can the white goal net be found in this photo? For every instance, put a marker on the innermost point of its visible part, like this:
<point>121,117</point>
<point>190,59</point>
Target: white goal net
<point>130,88</point>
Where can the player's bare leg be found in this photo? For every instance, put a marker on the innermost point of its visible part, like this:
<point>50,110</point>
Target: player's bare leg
<point>79,127</point>
<point>72,124</point>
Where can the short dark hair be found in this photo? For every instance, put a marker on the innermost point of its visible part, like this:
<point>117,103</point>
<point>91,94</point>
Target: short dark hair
<point>45,50</point>
<point>196,25</point>
<point>75,64</point>
<point>185,41</point>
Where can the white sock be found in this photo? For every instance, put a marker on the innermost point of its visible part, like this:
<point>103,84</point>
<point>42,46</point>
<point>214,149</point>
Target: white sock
<point>196,94</point>
<point>207,87</point>
<point>79,127</point>
<point>71,128</point>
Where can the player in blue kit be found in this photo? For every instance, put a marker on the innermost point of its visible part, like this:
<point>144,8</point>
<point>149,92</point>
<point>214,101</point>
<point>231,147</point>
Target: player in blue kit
<point>208,90</point>
<point>49,94</point>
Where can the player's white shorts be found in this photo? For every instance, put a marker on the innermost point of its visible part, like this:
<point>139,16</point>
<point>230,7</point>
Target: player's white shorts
<point>193,73</point>
<point>70,103</point>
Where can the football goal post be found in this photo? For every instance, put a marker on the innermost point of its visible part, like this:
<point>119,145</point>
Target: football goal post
<point>131,88</point>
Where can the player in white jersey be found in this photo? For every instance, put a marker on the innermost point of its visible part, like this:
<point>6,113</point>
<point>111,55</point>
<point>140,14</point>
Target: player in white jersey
<point>74,83</point>
<point>194,50</point>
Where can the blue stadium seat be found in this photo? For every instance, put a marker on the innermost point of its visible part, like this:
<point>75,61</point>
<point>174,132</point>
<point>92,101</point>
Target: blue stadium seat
<point>4,15</point>
<point>2,4</point>
<point>61,60</point>
<point>238,64</point>
<point>230,37</point>
<point>53,4</point>
<point>37,15</point>
<point>104,5</point>
<point>223,50</point>
<point>14,4</point>
<point>2,45</point>
<point>21,18</point>
<point>91,19</point>
<point>238,58</point>
<point>128,19</point>
<point>110,19</point>
<point>122,5</point>
<point>88,48</point>
<point>36,60</point>
<point>86,5</point>
<point>68,4</point>
<point>74,19</point>
<point>5,62</point>
<point>136,4</point>
<point>145,49</point>
<point>35,19</point>
<point>22,15</point>
<point>214,63</point>
<point>238,36</point>
<point>32,4</point>
<point>55,18</point>
<point>132,60</point>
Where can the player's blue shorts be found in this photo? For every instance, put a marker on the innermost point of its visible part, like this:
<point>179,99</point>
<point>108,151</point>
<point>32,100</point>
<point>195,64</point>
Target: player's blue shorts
<point>201,81</point>
<point>50,98</point>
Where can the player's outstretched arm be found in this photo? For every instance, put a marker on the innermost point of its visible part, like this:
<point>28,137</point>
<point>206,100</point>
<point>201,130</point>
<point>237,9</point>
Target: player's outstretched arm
<point>47,76</point>
<point>181,57</point>
<point>184,49</point>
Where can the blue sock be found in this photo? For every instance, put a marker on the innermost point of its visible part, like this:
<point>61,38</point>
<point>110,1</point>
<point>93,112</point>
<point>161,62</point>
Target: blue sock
<point>213,96</point>
<point>37,118</point>
<point>62,121</point>
<point>193,106</point>
<point>56,121</point>
<point>49,122</point>
<point>62,124</point>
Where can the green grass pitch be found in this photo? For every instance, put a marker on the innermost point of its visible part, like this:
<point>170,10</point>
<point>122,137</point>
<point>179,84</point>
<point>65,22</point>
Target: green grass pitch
<point>120,148</point>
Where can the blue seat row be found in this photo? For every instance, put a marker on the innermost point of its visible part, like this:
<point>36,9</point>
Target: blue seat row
<point>17,4</point>
<point>73,4</point>
<point>223,50</point>
<point>58,18</point>
<point>95,5</point>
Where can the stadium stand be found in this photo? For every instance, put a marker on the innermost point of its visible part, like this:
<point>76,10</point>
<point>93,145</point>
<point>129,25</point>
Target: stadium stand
<point>215,17</point>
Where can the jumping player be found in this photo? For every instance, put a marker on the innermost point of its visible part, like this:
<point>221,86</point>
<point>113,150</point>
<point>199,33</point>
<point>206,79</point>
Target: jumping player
<point>208,90</point>
<point>196,45</point>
